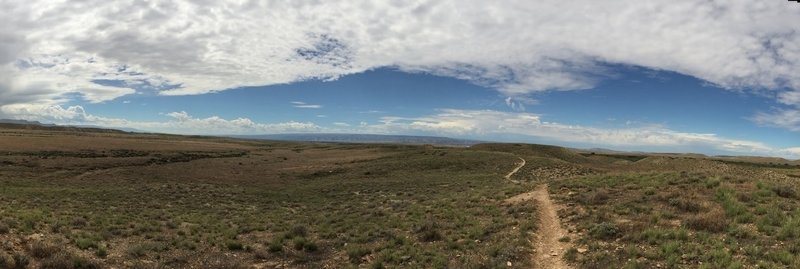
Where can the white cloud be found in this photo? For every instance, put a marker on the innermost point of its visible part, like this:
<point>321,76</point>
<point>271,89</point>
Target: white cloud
<point>518,103</point>
<point>297,104</point>
<point>793,151</point>
<point>308,106</point>
<point>177,122</point>
<point>788,119</point>
<point>488,123</point>
<point>341,124</point>
<point>790,98</point>
<point>179,47</point>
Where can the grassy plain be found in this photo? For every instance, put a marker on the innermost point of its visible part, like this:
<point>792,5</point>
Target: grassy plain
<point>102,199</point>
<point>99,199</point>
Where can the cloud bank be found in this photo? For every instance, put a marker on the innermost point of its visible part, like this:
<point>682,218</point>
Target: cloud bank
<point>178,122</point>
<point>488,122</point>
<point>446,122</point>
<point>51,48</point>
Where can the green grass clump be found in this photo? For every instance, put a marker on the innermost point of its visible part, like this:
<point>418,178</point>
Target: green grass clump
<point>784,191</point>
<point>685,204</point>
<point>234,245</point>
<point>301,243</point>
<point>42,250</point>
<point>428,231</point>
<point>712,182</point>
<point>571,255</point>
<point>276,245</point>
<point>734,209</point>
<point>102,251</point>
<point>85,243</point>
<point>356,252</point>
<point>141,250</point>
<point>790,230</point>
<point>713,221</point>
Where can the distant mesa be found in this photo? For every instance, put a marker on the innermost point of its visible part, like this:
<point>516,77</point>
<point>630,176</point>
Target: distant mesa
<point>365,138</point>
<point>26,124</point>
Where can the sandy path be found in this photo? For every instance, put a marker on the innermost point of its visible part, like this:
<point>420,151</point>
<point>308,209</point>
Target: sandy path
<point>547,249</point>
<point>520,165</point>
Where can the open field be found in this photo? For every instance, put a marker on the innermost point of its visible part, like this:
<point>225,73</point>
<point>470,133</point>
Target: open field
<point>85,200</point>
<point>100,199</point>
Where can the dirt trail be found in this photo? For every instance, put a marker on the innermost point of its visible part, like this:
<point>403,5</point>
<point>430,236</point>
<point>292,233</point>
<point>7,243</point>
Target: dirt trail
<point>516,169</point>
<point>548,250</point>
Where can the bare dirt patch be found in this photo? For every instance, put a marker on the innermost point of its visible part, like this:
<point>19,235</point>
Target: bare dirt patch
<point>520,165</point>
<point>548,245</point>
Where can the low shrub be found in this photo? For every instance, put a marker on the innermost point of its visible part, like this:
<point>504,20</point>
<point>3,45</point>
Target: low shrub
<point>234,245</point>
<point>784,191</point>
<point>712,182</point>
<point>429,232</point>
<point>597,197</point>
<point>356,252</point>
<point>65,260</point>
<point>571,255</point>
<point>85,243</point>
<point>41,250</point>
<point>605,230</point>
<point>298,231</point>
<point>276,245</point>
<point>685,204</point>
<point>713,221</point>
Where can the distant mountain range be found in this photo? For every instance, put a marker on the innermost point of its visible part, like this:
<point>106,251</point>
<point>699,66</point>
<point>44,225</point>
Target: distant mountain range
<point>389,139</point>
<point>24,122</point>
<point>365,138</point>
<point>36,124</point>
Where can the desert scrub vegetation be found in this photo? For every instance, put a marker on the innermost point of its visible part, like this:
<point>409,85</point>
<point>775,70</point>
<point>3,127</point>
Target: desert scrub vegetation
<point>681,220</point>
<point>238,203</point>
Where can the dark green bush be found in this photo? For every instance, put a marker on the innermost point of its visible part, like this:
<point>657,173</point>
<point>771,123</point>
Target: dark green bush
<point>784,191</point>
<point>429,232</point>
<point>605,230</point>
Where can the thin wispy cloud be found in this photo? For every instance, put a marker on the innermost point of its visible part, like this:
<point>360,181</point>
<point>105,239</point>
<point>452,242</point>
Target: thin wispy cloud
<point>304,105</point>
<point>788,119</point>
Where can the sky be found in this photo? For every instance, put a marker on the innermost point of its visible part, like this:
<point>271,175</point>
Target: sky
<point>713,77</point>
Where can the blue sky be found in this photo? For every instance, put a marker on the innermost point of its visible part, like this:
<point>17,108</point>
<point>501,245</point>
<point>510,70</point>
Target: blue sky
<point>714,77</point>
<point>632,97</point>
